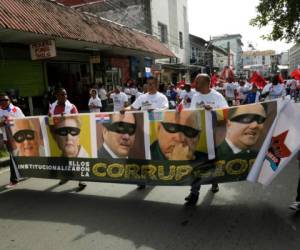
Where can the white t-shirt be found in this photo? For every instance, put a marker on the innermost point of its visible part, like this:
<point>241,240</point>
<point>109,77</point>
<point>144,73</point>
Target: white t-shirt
<point>187,97</point>
<point>229,90</point>
<point>213,99</point>
<point>12,111</point>
<point>147,101</point>
<point>102,94</point>
<point>97,102</point>
<point>119,100</point>
<point>275,91</point>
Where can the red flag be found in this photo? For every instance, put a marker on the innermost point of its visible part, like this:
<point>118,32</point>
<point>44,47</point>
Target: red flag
<point>213,80</point>
<point>227,73</point>
<point>258,80</point>
<point>179,107</point>
<point>280,78</point>
<point>296,74</point>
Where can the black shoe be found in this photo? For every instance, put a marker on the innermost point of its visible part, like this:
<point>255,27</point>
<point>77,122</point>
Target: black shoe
<point>141,187</point>
<point>81,185</point>
<point>191,199</point>
<point>62,182</point>
<point>215,188</point>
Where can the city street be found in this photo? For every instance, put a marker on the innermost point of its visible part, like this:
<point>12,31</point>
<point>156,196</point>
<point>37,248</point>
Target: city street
<point>39,214</point>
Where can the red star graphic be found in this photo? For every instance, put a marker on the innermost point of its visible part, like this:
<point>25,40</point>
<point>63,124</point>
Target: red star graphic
<point>277,144</point>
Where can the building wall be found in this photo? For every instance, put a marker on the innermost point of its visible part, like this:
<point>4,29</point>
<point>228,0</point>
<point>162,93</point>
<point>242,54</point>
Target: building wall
<point>174,15</point>
<point>133,14</point>
<point>235,46</point>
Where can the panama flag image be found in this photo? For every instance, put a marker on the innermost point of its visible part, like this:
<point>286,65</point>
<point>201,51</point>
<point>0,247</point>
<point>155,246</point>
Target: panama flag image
<point>283,145</point>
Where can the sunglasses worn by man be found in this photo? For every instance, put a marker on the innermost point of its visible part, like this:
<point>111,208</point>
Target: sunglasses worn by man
<point>4,100</point>
<point>249,118</point>
<point>22,135</point>
<point>64,131</point>
<point>175,128</point>
<point>121,127</point>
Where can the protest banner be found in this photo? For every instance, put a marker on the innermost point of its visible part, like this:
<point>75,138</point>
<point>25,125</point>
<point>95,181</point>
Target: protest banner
<point>156,148</point>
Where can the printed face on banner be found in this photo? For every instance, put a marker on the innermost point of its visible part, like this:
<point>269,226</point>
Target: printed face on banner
<point>26,138</point>
<point>120,136</point>
<point>178,135</point>
<point>69,136</point>
<point>243,129</point>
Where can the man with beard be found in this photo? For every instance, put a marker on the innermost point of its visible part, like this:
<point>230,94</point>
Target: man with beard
<point>118,136</point>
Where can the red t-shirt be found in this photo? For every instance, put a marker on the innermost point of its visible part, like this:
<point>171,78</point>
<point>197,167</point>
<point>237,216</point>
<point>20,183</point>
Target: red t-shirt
<point>59,109</point>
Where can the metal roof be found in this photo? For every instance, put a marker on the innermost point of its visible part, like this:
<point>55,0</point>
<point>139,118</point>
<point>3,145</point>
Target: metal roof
<point>45,17</point>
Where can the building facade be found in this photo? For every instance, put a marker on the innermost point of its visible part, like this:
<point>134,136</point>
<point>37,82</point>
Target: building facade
<point>165,19</point>
<point>232,43</point>
<point>201,55</point>
<point>257,60</point>
<point>220,59</point>
<point>294,57</point>
<point>66,48</point>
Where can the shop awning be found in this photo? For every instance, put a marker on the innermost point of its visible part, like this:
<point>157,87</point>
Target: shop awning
<point>32,20</point>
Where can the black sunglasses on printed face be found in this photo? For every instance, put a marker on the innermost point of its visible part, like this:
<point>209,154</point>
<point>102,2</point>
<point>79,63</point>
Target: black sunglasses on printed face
<point>249,118</point>
<point>186,130</point>
<point>4,100</point>
<point>22,135</point>
<point>64,131</point>
<point>122,128</point>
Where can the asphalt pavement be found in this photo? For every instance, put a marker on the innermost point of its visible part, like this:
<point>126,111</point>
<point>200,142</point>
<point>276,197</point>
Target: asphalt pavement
<point>39,214</point>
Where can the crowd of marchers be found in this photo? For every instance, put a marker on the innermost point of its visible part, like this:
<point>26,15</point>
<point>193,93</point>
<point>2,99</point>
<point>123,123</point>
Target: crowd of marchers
<point>155,97</point>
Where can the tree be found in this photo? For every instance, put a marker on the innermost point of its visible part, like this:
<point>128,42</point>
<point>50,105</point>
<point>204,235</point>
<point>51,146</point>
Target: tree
<point>282,15</point>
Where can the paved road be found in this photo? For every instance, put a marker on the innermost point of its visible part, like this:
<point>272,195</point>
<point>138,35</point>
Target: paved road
<point>38,214</point>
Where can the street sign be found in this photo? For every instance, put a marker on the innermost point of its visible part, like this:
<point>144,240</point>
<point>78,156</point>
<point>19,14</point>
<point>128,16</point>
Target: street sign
<point>43,50</point>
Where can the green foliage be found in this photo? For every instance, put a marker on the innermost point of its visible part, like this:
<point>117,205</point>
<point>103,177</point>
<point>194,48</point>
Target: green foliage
<point>283,15</point>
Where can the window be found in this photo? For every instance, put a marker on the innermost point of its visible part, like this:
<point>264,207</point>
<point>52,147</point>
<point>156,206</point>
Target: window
<point>163,32</point>
<point>180,40</point>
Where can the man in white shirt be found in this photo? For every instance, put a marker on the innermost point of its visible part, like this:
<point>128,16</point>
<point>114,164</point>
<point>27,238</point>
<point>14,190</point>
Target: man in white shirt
<point>273,90</point>
<point>103,97</point>
<point>209,99</point>
<point>205,96</point>
<point>152,100</point>
<point>230,88</point>
<point>186,95</point>
<point>7,112</point>
<point>95,104</point>
<point>119,98</point>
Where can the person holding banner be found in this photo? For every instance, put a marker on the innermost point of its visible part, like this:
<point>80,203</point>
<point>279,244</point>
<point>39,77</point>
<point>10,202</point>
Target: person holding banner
<point>296,204</point>
<point>153,100</point>
<point>207,98</point>
<point>63,107</point>
<point>7,112</point>
<point>118,136</point>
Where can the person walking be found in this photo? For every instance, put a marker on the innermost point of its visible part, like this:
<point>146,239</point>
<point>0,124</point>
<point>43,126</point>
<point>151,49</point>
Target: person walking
<point>7,112</point>
<point>62,106</point>
<point>207,98</point>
